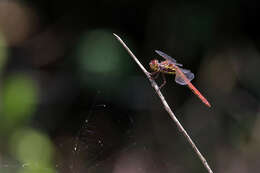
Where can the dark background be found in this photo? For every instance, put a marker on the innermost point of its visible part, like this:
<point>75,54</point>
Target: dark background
<point>73,100</point>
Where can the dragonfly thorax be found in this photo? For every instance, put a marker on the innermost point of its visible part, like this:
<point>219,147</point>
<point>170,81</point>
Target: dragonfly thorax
<point>163,67</point>
<point>166,67</point>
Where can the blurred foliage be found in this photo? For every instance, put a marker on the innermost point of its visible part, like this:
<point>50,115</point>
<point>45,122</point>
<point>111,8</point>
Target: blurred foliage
<point>72,100</point>
<point>102,52</point>
<point>19,101</point>
<point>101,60</point>
<point>33,149</point>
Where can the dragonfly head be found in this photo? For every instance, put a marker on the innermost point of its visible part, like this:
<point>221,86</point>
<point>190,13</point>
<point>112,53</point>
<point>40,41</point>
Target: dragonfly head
<point>154,65</point>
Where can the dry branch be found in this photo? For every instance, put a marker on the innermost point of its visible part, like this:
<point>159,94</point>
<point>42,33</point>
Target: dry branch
<point>166,106</point>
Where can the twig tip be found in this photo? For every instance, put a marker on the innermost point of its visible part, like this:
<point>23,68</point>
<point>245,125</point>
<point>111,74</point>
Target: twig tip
<point>115,35</point>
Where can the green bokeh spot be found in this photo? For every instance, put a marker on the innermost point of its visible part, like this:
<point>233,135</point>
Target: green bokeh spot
<point>3,52</point>
<point>39,168</point>
<point>20,97</point>
<point>99,53</point>
<point>103,62</point>
<point>32,148</point>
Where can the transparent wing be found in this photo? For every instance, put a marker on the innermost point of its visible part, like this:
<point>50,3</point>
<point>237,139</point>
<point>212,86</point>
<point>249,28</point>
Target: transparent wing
<point>167,57</point>
<point>189,75</point>
<point>185,70</point>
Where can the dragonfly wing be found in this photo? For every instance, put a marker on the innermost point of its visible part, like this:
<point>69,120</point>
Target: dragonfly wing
<point>167,57</point>
<point>189,75</point>
<point>178,64</point>
<point>184,70</point>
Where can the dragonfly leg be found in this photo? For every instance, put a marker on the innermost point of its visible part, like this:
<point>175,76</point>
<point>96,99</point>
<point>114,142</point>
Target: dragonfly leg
<point>155,73</point>
<point>164,81</point>
<point>156,76</point>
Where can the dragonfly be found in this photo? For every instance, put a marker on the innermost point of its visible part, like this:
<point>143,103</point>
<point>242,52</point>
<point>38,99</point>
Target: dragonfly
<point>182,76</point>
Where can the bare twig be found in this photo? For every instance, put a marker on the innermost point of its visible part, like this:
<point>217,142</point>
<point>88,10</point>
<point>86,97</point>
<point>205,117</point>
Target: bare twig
<point>166,106</point>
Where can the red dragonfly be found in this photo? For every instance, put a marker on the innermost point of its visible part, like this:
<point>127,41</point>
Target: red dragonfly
<point>182,76</point>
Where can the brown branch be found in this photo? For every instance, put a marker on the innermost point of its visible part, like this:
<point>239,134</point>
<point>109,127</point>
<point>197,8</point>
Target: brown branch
<point>166,106</point>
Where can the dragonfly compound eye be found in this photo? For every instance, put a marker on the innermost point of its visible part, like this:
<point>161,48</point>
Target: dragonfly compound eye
<point>154,65</point>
